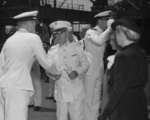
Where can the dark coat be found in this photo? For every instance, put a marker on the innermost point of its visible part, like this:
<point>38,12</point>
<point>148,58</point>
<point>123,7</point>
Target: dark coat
<point>129,75</point>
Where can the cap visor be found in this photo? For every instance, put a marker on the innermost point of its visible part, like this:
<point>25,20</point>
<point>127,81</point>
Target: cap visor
<point>59,30</point>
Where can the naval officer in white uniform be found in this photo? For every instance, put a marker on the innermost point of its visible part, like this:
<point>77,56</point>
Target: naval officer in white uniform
<point>16,59</point>
<point>70,58</point>
<point>36,99</point>
<point>95,41</point>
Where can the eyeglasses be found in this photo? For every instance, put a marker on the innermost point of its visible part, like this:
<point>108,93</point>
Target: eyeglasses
<point>60,31</point>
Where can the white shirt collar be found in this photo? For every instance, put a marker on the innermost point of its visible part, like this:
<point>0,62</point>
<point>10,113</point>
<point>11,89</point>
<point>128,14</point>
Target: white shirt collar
<point>22,30</point>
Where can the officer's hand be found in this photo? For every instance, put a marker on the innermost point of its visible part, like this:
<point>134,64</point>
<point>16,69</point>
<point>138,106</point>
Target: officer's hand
<point>72,75</point>
<point>57,76</point>
<point>109,22</point>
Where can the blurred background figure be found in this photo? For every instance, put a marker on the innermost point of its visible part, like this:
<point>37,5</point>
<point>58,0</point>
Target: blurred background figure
<point>82,33</point>
<point>51,82</point>
<point>45,33</point>
<point>83,30</point>
<point>36,99</point>
<point>147,87</point>
<point>72,37</point>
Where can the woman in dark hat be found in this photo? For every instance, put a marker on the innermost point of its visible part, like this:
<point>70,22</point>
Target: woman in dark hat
<point>129,76</point>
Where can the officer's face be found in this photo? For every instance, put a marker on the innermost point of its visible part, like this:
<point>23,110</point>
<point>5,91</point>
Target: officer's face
<point>102,24</point>
<point>61,38</point>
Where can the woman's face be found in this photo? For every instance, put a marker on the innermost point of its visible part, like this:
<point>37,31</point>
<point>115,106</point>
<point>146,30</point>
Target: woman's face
<point>120,38</point>
<point>102,24</point>
<point>114,43</point>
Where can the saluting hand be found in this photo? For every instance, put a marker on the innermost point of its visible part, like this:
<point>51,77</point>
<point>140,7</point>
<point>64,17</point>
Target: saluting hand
<point>109,22</point>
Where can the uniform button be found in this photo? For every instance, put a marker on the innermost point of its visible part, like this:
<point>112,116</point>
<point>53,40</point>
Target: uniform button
<point>64,57</point>
<point>65,64</point>
<point>64,50</point>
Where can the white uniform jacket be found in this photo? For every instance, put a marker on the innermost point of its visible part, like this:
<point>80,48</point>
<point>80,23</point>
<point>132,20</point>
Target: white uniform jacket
<point>73,57</point>
<point>95,41</point>
<point>16,59</point>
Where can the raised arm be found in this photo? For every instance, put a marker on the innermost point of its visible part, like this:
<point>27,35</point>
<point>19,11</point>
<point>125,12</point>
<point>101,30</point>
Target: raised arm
<point>99,38</point>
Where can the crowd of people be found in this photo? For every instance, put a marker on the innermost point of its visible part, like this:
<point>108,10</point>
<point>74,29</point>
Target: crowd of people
<point>79,84</point>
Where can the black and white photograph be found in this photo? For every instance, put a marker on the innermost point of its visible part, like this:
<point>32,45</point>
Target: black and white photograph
<point>74,59</point>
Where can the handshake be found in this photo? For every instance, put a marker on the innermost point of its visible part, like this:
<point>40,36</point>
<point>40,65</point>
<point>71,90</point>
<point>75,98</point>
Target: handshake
<point>55,74</point>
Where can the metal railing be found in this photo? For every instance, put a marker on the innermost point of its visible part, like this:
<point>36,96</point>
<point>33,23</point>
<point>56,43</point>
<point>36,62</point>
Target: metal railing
<point>62,5</point>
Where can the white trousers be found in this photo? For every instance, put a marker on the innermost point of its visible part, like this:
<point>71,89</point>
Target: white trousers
<point>14,104</point>
<point>92,100</point>
<point>72,109</point>
<point>36,99</point>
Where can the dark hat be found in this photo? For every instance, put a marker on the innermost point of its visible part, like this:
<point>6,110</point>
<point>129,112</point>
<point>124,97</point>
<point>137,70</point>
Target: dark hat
<point>127,22</point>
<point>26,16</point>
<point>113,15</point>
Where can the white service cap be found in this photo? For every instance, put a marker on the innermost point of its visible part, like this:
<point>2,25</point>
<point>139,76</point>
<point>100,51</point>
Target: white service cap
<point>103,15</point>
<point>32,15</point>
<point>52,25</point>
<point>86,26</point>
<point>62,24</point>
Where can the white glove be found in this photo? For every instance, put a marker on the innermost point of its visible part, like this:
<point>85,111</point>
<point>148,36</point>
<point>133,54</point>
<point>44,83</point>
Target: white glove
<point>109,22</point>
